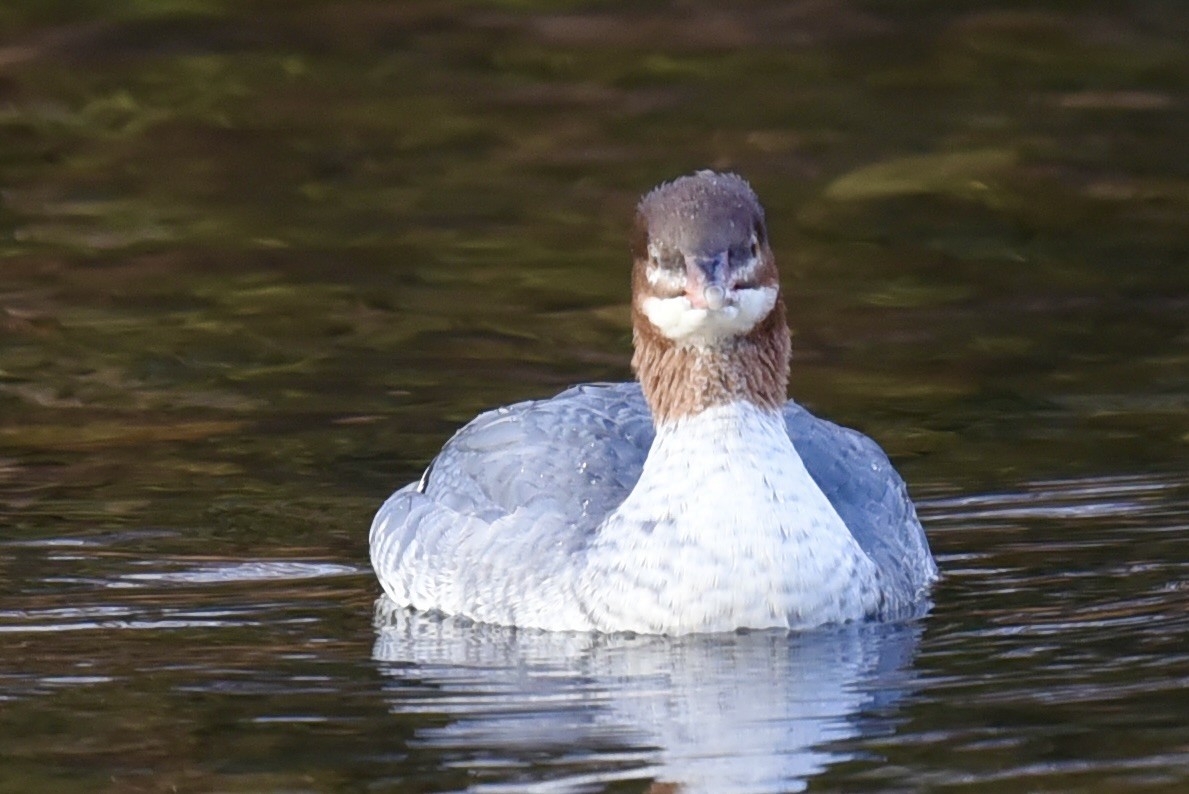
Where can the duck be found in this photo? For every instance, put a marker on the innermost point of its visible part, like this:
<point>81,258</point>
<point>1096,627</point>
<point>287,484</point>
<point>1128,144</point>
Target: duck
<point>696,499</point>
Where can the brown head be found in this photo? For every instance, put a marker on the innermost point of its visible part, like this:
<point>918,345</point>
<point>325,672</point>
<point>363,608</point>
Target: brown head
<point>708,321</point>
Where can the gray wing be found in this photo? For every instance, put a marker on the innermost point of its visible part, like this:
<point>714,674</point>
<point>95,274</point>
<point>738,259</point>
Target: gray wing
<point>589,440</point>
<point>492,529</point>
<point>860,482</point>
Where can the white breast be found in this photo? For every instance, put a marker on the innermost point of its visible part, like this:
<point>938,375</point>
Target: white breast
<point>725,529</point>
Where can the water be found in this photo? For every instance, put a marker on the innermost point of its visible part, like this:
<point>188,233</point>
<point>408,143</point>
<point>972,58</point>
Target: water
<point>258,260</point>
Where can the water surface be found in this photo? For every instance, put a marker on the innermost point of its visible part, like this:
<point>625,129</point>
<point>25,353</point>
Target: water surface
<point>258,260</point>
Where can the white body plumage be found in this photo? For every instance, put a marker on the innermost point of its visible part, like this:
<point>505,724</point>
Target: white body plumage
<point>713,542</point>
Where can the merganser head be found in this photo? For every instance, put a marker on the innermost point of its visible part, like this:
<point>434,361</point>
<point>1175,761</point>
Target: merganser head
<point>708,320</point>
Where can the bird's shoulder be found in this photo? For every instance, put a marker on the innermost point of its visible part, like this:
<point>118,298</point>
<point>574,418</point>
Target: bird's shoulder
<point>588,442</point>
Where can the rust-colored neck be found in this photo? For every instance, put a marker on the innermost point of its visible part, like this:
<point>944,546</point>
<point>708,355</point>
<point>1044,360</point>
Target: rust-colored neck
<point>680,380</point>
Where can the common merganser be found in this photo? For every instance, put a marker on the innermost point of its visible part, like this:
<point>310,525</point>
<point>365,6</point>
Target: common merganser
<point>697,500</point>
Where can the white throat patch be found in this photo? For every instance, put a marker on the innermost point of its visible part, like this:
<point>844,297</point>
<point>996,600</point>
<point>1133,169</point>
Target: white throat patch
<point>679,321</point>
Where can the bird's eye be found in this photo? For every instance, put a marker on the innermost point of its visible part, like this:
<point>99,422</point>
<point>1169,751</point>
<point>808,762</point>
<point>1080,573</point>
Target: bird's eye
<point>664,259</point>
